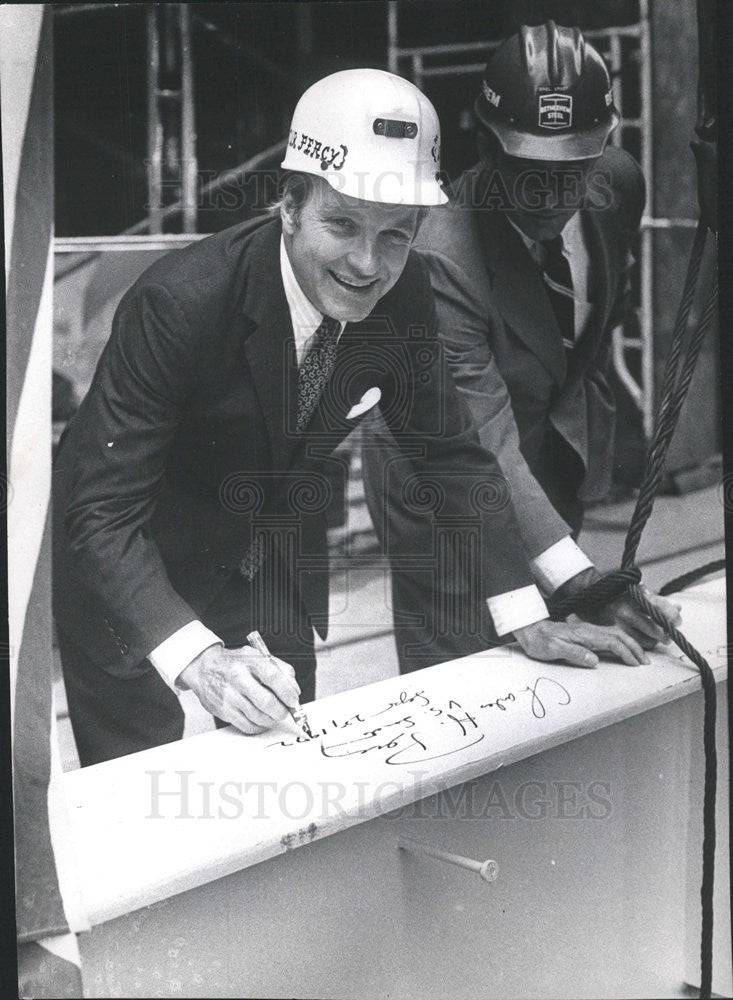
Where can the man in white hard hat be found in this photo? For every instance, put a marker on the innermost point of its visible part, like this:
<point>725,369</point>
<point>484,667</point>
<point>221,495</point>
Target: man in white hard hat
<point>530,264</point>
<point>190,488</point>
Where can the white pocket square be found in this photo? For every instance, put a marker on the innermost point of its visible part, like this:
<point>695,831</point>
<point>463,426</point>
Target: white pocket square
<point>370,398</point>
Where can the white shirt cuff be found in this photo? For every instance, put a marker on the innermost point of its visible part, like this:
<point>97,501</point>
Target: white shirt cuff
<point>176,652</point>
<point>517,608</point>
<point>558,564</point>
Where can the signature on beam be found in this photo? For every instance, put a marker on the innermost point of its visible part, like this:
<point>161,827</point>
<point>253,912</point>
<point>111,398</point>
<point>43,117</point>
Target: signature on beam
<point>413,741</point>
<point>537,705</point>
<point>420,734</point>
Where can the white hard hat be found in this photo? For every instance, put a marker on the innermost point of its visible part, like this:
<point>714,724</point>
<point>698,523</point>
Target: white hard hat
<point>371,135</point>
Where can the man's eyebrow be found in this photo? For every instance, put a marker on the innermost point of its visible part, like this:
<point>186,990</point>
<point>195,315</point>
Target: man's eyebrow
<point>406,224</point>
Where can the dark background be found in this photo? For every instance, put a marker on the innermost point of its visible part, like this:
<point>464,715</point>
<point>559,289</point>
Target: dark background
<point>251,63</point>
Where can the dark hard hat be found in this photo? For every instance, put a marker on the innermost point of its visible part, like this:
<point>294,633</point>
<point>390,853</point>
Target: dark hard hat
<point>546,95</point>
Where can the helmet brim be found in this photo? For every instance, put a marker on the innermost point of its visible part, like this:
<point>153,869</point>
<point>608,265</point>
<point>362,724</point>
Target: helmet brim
<point>585,145</point>
<point>391,187</point>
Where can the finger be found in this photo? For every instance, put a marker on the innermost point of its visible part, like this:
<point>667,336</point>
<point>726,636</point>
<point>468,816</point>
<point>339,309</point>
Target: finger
<point>231,712</point>
<point>290,670</point>
<point>645,641</point>
<point>670,611</point>
<point>631,618</point>
<point>264,711</point>
<point>574,654</point>
<point>287,668</point>
<point>626,650</point>
<point>614,641</point>
<point>630,643</point>
<point>245,724</point>
<point>259,703</point>
<point>642,638</point>
<point>275,675</point>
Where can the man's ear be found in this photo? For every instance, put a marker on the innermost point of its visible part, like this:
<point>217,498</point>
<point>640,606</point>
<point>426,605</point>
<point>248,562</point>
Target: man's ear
<point>288,215</point>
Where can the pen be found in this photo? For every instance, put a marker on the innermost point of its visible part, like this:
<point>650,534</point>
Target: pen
<point>257,642</point>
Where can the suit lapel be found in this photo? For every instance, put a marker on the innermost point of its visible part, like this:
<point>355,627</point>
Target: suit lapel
<point>270,346</point>
<point>529,314</point>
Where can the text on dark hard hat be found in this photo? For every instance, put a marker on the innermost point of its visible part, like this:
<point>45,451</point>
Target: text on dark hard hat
<point>392,128</point>
<point>555,111</point>
<point>491,95</point>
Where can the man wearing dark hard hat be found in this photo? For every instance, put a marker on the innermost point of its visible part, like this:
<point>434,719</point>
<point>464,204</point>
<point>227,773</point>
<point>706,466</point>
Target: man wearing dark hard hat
<point>530,265</point>
<point>191,487</point>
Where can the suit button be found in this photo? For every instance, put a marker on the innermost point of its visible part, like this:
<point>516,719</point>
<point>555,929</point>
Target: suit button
<point>223,570</point>
<point>124,648</point>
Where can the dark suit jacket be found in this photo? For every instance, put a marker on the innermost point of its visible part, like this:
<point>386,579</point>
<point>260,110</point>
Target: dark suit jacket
<point>504,345</point>
<point>186,440</point>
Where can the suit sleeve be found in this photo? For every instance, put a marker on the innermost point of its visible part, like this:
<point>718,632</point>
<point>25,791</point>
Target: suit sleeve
<point>465,328</point>
<point>632,195</point>
<point>633,198</point>
<point>458,480</point>
<point>127,425</point>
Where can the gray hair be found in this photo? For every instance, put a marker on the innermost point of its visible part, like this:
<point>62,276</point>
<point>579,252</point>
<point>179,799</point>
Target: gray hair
<point>296,189</point>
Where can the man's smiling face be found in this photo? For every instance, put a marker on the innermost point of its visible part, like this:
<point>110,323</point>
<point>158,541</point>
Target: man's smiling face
<point>346,253</point>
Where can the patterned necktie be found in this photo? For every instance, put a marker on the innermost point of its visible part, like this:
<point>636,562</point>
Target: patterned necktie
<point>559,286</point>
<point>312,376</point>
<point>315,369</point>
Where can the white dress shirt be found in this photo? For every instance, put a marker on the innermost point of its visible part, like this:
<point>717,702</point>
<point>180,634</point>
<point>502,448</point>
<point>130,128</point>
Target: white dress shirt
<point>509,611</point>
<point>175,653</point>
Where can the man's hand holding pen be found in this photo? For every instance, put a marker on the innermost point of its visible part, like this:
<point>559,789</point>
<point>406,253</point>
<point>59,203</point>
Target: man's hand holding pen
<point>243,687</point>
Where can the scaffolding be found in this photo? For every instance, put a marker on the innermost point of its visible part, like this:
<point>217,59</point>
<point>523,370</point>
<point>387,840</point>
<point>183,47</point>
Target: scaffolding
<point>171,160</point>
<point>424,63</point>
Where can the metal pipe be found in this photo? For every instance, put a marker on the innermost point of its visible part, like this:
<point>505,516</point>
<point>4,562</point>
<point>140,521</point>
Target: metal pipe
<point>228,177</point>
<point>189,165</point>
<point>646,266</point>
<point>406,52</point>
<point>488,870</point>
<point>155,128</point>
<point>455,70</point>
<point>673,222</point>
<point>438,50</point>
<point>103,244</point>
<point>618,85</point>
<point>392,30</point>
<point>620,345</point>
<point>417,70</point>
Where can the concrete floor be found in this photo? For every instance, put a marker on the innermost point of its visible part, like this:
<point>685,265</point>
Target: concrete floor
<point>683,533</point>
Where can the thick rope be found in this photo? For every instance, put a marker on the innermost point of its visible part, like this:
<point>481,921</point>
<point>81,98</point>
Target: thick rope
<point>670,404</point>
<point>680,582</point>
<point>676,383</point>
<point>595,595</point>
